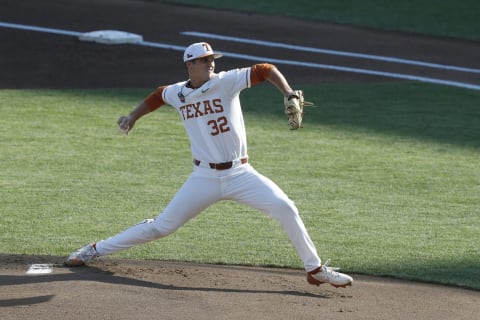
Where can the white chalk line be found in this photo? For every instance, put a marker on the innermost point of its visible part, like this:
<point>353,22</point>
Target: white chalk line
<point>355,70</point>
<point>265,59</point>
<point>329,52</point>
<point>39,29</point>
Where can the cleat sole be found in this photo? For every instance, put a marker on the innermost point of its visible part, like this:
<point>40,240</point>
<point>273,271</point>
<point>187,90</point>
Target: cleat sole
<point>311,280</point>
<point>74,263</point>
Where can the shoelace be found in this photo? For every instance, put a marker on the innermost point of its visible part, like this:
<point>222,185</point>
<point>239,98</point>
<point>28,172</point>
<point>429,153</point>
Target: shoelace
<point>330,269</point>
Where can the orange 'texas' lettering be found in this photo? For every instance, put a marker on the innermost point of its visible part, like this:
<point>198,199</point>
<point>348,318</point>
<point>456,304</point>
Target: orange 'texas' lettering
<point>208,108</point>
<point>198,113</point>
<point>218,105</point>
<point>201,108</point>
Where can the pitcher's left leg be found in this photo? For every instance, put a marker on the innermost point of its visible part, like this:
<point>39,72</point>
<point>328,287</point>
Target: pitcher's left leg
<point>259,192</point>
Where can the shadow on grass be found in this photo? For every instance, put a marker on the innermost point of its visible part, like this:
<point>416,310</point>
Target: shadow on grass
<point>412,110</point>
<point>457,272</point>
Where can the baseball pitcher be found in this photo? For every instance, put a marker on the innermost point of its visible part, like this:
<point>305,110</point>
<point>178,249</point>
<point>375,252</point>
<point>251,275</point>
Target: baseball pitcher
<point>209,106</point>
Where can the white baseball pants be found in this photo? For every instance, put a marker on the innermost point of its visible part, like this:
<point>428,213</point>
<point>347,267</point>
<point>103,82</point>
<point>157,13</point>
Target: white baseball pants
<point>206,186</point>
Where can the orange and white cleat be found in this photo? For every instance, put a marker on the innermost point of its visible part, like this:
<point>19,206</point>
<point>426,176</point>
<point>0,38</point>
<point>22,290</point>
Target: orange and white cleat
<point>82,256</point>
<point>326,274</point>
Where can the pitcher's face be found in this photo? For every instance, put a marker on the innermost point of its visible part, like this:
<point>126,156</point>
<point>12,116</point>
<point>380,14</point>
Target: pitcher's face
<point>201,69</point>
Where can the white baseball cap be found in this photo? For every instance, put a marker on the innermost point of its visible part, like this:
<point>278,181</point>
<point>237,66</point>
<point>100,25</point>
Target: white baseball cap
<point>199,50</point>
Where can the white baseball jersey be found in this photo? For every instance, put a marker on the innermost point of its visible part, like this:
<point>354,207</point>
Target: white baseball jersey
<point>212,115</point>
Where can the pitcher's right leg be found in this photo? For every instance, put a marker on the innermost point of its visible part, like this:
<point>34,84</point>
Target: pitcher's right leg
<point>197,193</point>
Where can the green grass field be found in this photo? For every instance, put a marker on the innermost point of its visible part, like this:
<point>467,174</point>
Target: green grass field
<point>386,177</point>
<point>449,18</point>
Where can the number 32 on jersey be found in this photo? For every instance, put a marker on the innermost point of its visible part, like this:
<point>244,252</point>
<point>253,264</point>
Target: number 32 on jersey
<point>219,126</point>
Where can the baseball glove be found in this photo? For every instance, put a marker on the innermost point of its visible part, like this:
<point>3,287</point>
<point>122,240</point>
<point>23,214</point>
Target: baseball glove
<point>294,104</point>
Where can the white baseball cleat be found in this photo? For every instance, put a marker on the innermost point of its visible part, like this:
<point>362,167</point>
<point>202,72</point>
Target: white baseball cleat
<point>82,256</point>
<point>326,274</point>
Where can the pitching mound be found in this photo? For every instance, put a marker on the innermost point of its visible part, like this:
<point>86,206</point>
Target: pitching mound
<point>41,288</point>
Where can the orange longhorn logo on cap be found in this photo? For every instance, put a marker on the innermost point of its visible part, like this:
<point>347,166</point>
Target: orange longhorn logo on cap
<point>207,46</point>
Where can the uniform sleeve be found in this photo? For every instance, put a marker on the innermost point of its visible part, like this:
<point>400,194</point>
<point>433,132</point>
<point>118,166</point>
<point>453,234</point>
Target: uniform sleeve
<point>260,72</point>
<point>155,99</point>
